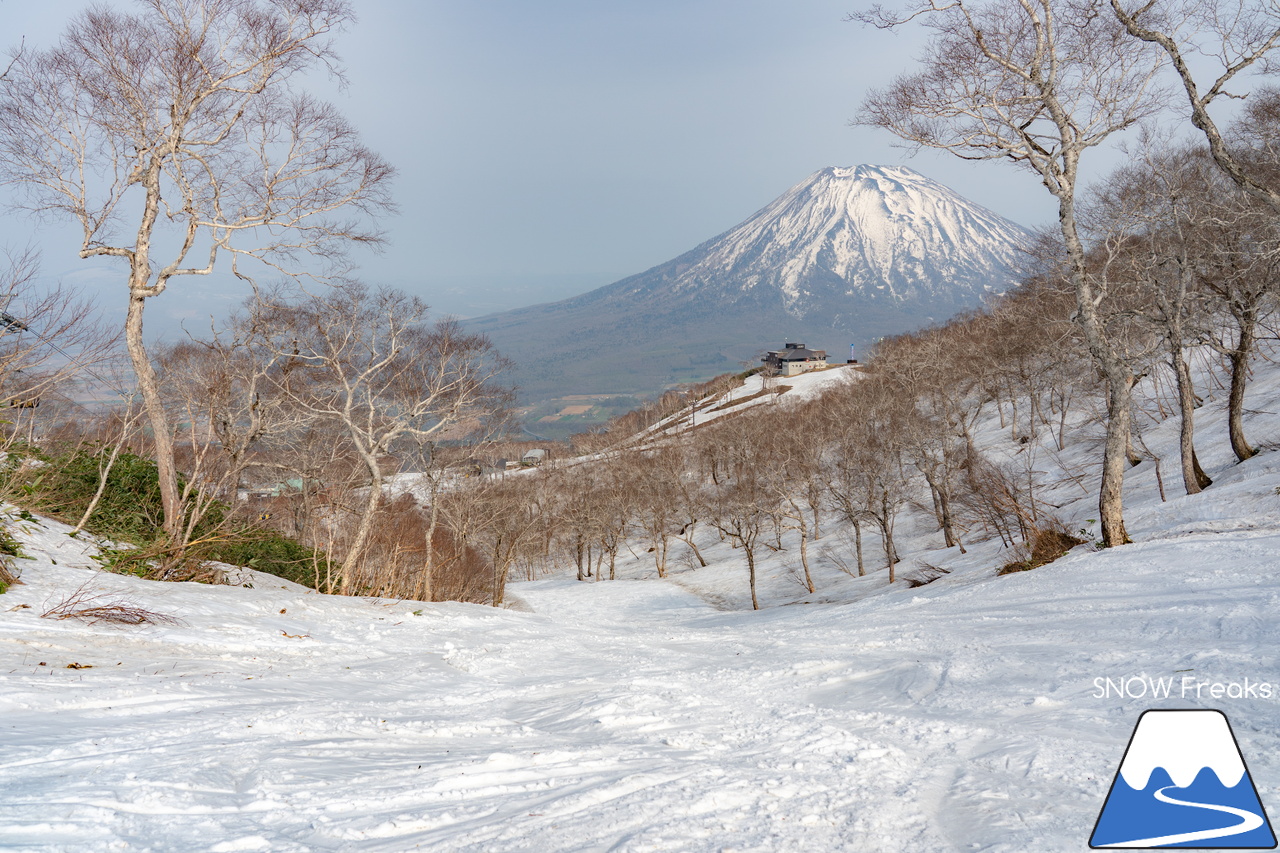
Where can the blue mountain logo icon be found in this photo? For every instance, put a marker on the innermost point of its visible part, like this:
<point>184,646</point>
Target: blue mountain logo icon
<point>1183,783</point>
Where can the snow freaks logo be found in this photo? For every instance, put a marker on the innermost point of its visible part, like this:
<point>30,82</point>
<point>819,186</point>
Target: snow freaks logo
<point>1146,687</point>
<point>1183,783</point>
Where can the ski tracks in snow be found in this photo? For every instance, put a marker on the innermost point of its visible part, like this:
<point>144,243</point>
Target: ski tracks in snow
<point>625,715</point>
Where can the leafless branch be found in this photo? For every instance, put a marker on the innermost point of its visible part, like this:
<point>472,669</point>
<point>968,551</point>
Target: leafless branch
<point>100,606</point>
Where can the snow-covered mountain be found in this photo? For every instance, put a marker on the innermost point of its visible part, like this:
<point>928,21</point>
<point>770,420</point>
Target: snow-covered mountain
<point>844,257</point>
<point>865,232</point>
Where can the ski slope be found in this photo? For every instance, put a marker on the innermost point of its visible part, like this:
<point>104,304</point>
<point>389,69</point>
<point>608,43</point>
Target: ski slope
<point>655,715</point>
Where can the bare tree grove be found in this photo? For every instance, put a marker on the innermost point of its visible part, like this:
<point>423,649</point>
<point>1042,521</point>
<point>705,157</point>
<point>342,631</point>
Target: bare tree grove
<point>177,140</point>
<point>346,416</point>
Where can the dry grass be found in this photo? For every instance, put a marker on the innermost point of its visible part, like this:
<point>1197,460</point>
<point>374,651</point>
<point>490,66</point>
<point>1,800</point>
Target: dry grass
<point>98,606</point>
<point>1047,544</point>
<point>927,574</point>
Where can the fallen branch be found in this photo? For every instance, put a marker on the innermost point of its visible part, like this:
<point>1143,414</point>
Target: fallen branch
<point>94,607</point>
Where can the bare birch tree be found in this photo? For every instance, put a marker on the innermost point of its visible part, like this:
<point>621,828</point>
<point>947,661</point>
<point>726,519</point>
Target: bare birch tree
<point>48,337</point>
<point>47,334</point>
<point>738,501</point>
<point>370,361</point>
<point>1150,232</point>
<point>788,458</point>
<point>656,475</point>
<point>176,138</point>
<point>1037,82</point>
<point>501,520</point>
<point>1243,254</point>
<point>1234,36</point>
<point>222,393</point>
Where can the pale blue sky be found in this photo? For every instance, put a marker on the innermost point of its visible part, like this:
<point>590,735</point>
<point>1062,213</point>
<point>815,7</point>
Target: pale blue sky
<point>548,148</point>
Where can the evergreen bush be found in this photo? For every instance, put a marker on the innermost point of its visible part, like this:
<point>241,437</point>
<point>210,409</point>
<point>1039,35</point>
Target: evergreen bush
<point>130,512</point>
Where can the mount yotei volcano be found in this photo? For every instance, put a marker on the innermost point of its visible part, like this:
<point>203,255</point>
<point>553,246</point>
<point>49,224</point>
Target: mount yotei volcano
<point>845,257</point>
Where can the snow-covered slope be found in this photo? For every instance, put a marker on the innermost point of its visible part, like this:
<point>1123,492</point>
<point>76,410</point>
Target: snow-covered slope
<point>974,713</point>
<point>755,390</point>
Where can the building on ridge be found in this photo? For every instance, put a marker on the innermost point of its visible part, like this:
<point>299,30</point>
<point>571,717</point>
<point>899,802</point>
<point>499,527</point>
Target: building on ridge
<point>793,359</point>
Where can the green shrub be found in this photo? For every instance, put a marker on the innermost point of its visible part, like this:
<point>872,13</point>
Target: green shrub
<point>267,551</point>
<point>131,511</point>
<point>263,550</point>
<point>9,548</point>
<point>139,561</point>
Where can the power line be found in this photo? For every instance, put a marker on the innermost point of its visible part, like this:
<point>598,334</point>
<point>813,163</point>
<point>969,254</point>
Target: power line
<point>10,322</point>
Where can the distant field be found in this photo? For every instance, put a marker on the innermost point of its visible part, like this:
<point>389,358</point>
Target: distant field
<point>560,417</point>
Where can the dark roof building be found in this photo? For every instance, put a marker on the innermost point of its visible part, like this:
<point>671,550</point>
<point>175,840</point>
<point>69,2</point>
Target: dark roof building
<point>795,358</point>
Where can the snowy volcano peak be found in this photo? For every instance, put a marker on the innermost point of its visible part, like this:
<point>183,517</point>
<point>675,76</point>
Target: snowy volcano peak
<point>849,255</point>
<point>883,232</point>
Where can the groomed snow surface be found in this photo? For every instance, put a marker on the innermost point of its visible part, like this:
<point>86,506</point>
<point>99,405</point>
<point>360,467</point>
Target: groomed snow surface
<point>656,715</point>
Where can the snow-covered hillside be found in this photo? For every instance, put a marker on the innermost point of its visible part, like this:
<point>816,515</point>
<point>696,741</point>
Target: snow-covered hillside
<point>755,390</point>
<point>973,713</point>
